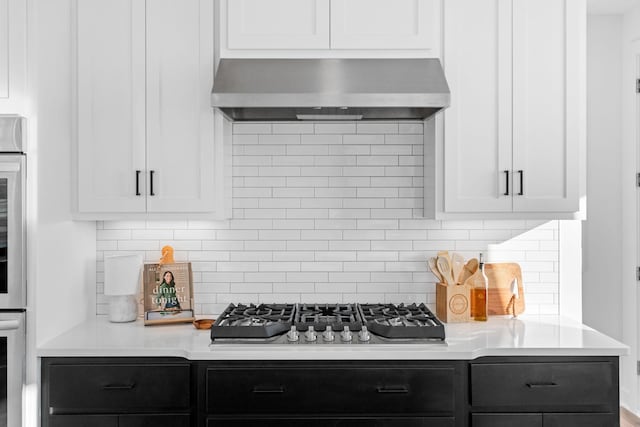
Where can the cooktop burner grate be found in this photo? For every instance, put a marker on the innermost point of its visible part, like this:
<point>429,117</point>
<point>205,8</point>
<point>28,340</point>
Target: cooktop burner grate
<point>388,323</point>
<point>253,321</point>
<point>402,321</point>
<point>335,315</point>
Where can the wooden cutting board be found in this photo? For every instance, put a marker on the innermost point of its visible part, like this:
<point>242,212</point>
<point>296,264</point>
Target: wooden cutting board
<point>500,276</point>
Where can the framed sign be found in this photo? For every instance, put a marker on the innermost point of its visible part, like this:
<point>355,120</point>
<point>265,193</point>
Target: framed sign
<point>168,293</point>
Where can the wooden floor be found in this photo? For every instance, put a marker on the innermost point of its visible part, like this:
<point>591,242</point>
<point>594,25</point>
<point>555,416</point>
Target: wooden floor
<point>627,419</point>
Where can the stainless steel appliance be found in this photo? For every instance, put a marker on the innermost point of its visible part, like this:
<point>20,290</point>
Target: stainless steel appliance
<point>13,296</point>
<point>327,324</point>
<point>329,89</point>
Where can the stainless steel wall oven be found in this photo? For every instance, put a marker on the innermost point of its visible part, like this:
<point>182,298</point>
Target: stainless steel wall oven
<point>13,294</point>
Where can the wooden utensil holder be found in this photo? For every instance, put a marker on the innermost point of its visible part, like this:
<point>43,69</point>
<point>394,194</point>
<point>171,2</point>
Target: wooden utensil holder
<point>453,303</point>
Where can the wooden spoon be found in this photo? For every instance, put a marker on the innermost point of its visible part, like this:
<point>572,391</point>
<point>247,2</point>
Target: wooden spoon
<point>467,271</point>
<point>457,264</point>
<point>434,269</point>
<point>445,269</point>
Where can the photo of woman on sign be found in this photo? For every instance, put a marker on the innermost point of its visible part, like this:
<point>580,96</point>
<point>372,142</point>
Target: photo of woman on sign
<point>167,293</point>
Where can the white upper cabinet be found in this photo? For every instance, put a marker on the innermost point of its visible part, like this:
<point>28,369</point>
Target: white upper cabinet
<point>145,125</point>
<point>330,28</point>
<point>180,143</point>
<point>111,106</point>
<point>512,133</point>
<point>13,31</point>
<point>384,24</point>
<point>277,24</point>
<point>547,100</point>
<point>477,127</point>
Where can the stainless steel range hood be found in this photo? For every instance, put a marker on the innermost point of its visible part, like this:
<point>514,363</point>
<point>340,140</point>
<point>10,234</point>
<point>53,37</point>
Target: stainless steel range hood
<point>329,89</point>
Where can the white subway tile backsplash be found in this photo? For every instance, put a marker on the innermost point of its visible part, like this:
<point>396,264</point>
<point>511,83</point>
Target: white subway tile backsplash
<point>321,139</point>
<point>293,128</point>
<point>411,128</point>
<point>239,139</point>
<point>279,139</point>
<point>329,212</point>
<point>382,128</point>
<point>251,128</point>
<point>294,256</point>
<point>335,128</point>
<point>363,139</point>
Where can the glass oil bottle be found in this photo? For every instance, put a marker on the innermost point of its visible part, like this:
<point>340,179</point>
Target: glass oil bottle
<point>479,286</point>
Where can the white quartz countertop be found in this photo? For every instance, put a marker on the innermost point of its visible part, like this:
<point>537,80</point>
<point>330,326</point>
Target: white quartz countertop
<point>500,336</point>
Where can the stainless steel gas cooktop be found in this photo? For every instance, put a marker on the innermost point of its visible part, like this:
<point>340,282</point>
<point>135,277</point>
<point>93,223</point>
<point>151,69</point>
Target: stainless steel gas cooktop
<point>314,324</point>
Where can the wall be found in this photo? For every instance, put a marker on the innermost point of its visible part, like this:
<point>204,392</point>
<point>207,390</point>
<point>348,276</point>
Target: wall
<point>61,251</point>
<point>329,213</point>
<point>629,208</point>
<point>602,231</point>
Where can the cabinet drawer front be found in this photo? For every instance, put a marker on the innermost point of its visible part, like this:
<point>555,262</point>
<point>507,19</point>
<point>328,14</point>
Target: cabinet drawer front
<point>506,420</point>
<point>118,388</point>
<point>154,421</point>
<point>349,422</point>
<point>306,391</point>
<point>580,420</point>
<point>540,387</point>
<point>83,421</point>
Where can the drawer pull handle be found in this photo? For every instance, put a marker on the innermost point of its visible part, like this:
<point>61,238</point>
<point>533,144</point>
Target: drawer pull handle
<point>541,385</point>
<point>396,390</point>
<point>119,386</point>
<point>268,390</point>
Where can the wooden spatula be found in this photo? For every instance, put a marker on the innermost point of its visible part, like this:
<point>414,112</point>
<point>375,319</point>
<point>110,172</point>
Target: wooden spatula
<point>469,268</point>
<point>457,264</point>
<point>434,269</point>
<point>445,269</point>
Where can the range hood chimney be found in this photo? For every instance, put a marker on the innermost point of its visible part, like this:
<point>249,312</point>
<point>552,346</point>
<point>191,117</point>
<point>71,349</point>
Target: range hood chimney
<point>329,89</point>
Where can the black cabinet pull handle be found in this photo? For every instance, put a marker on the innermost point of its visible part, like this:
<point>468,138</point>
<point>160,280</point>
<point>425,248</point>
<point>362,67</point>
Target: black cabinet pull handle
<point>119,386</point>
<point>506,178</point>
<point>521,173</point>
<point>268,390</point>
<point>138,183</point>
<point>541,385</point>
<point>385,389</point>
<point>151,193</point>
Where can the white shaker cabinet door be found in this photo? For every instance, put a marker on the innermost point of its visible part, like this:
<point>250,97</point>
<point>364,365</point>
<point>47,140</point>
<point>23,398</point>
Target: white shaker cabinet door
<point>385,24</point>
<point>180,146</point>
<point>477,125</point>
<point>111,105</point>
<point>277,24</point>
<point>548,99</point>
<point>13,25</point>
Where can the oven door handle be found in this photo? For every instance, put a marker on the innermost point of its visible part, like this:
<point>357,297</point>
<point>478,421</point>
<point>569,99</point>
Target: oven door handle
<point>9,325</point>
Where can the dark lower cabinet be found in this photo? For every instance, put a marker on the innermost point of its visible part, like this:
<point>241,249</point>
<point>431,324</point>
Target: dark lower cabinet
<point>485,392</point>
<point>117,392</point>
<point>333,394</point>
<point>506,420</point>
<point>544,392</point>
<point>120,421</point>
<point>333,422</point>
<point>82,421</point>
<point>544,420</point>
<point>163,420</point>
<point>581,420</point>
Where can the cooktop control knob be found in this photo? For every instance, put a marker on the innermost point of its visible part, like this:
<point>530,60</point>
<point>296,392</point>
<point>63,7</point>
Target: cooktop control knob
<point>328,334</point>
<point>345,335</point>
<point>310,335</point>
<point>364,334</point>
<point>293,335</point>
